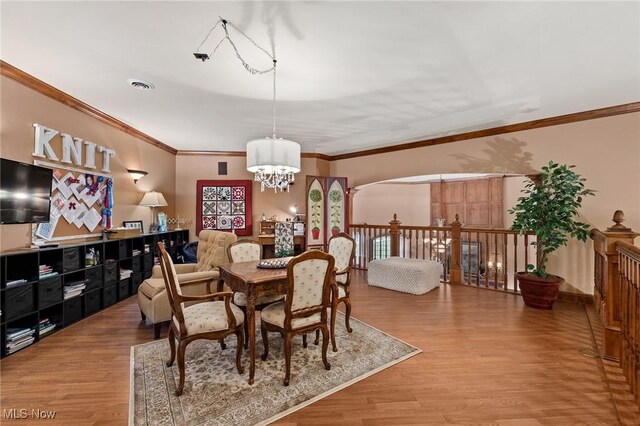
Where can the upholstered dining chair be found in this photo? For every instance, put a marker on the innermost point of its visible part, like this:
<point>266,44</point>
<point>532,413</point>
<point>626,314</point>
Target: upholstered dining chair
<point>246,250</point>
<point>343,248</point>
<point>206,318</point>
<point>305,307</point>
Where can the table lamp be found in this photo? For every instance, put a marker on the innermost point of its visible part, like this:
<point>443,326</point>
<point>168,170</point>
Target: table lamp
<point>153,199</point>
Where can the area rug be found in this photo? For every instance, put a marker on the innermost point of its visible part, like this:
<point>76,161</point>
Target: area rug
<point>215,394</point>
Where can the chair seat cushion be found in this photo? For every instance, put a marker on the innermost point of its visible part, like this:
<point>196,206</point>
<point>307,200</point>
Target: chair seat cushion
<point>208,316</point>
<point>151,286</point>
<point>240,299</point>
<point>274,314</point>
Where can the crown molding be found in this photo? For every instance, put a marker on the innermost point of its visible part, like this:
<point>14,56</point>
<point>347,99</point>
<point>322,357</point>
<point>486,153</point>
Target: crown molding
<point>518,127</point>
<point>33,83</point>
<point>40,86</point>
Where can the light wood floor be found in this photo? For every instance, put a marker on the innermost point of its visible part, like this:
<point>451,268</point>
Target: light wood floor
<point>487,360</point>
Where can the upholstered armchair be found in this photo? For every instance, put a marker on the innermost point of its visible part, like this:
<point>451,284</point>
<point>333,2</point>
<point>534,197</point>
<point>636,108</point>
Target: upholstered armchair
<point>305,308</point>
<point>246,250</point>
<point>197,317</point>
<point>193,278</point>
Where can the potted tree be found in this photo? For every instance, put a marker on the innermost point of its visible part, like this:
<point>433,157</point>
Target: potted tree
<point>316,197</point>
<point>548,209</point>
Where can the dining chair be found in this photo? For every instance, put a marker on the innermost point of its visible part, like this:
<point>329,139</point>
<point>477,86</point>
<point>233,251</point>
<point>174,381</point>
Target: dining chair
<point>207,319</point>
<point>245,251</point>
<point>343,248</point>
<point>305,307</point>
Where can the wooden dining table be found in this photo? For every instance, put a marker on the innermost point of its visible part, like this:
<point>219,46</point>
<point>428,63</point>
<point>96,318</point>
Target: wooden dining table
<point>247,278</point>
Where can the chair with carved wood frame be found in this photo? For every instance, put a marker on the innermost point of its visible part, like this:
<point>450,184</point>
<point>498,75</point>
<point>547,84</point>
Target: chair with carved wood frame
<point>247,250</point>
<point>207,319</point>
<point>343,248</point>
<point>305,307</point>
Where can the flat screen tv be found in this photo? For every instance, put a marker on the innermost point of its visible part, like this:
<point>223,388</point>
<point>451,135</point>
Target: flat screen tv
<point>25,192</point>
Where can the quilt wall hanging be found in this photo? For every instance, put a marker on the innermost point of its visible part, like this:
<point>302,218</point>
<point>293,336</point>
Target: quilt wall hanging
<point>327,204</point>
<point>224,205</point>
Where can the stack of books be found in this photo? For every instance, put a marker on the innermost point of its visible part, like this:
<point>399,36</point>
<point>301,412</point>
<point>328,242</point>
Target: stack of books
<point>46,327</point>
<point>136,252</point>
<point>16,283</point>
<point>74,289</point>
<point>125,273</point>
<point>47,271</point>
<point>18,338</point>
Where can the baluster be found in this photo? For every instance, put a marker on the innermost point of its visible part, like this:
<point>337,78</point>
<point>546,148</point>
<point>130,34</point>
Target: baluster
<point>495,261</point>
<point>477,271</point>
<point>515,262</point>
<point>505,263</point>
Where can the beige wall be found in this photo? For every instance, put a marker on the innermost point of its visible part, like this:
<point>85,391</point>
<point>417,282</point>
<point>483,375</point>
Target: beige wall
<point>21,107</point>
<point>191,168</point>
<point>376,204</point>
<point>606,152</point>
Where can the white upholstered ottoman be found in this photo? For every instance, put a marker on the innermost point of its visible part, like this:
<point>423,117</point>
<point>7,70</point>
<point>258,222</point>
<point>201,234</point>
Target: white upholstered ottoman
<point>406,275</point>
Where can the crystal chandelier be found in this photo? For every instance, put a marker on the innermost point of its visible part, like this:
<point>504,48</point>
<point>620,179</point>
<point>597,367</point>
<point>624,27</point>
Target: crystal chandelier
<point>274,161</point>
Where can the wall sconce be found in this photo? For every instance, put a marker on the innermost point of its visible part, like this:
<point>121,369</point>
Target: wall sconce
<point>137,174</point>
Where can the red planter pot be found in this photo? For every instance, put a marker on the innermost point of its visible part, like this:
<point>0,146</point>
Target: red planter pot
<point>335,231</point>
<point>315,233</point>
<point>538,292</point>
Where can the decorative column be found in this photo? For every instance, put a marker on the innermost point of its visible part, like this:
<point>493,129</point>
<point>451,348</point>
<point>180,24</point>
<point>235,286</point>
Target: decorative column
<point>394,235</point>
<point>456,252</point>
<point>351,192</point>
<point>607,289</point>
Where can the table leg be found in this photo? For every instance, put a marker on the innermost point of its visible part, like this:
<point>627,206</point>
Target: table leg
<point>251,318</point>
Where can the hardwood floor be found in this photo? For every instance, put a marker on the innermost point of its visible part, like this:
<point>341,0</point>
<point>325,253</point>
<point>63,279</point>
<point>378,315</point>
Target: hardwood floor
<point>487,360</point>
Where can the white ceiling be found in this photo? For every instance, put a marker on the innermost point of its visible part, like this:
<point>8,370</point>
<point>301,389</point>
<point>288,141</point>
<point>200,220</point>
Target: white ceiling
<point>351,75</point>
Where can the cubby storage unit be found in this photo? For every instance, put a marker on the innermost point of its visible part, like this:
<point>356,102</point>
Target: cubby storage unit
<point>32,283</point>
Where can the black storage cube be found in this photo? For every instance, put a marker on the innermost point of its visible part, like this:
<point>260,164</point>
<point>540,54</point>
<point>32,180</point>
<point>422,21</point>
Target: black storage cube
<point>122,249</point>
<point>92,302</point>
<point>136,263</point>
<point>49,292</point>
<point>18,301</point>
<point>72,310</point>
<point>123,289</point>
<point>71,259</point>
<point>110,295</point>
<point>94,277</point>
<point>148,261</point>
<point>111,272</point>
<point>136,280</point>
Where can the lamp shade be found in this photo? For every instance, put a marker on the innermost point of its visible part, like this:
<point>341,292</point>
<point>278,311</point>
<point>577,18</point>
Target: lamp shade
<point>153,199</point>
<point>273,155</point>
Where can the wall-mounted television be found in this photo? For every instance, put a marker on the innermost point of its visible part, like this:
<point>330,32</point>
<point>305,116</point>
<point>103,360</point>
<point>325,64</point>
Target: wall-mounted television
<point>25,192</point>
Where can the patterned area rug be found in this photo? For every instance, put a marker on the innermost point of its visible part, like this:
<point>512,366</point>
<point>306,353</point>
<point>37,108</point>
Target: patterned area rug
<point>215,394</point>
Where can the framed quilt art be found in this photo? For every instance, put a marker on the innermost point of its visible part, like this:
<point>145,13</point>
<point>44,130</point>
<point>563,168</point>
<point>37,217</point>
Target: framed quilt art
<point>224,205</point>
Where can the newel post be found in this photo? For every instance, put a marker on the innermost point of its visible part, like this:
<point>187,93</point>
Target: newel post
<point>394,235</point>
<point>607,287</point>
<point>456,252</point>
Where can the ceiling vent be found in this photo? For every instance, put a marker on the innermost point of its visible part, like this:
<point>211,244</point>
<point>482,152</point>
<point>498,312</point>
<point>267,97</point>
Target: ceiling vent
<point>140,84</point>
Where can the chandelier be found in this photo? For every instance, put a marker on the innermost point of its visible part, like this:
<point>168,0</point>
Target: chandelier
<point>273,161</point>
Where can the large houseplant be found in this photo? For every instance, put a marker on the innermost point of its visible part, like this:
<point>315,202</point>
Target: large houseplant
<point>548,209</point>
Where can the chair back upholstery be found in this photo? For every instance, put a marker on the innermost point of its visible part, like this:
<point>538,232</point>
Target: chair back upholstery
<point>309,285</point>
<point>244,251</point>
<point>171,284</point>
<point>343,248</point>
<point>212,249</point>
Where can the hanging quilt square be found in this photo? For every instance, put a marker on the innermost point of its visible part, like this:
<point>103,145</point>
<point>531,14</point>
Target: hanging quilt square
<point>238,207</point>
<point>238,222</point>
<point>208,207</point>
<point>208,222</point>
<point>238,192</point>
<point>224,205</point>
<point>209,193</point>
<point>224,193</point>
<point>224,222</point>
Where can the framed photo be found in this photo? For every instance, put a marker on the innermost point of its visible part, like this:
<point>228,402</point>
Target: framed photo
<point>133,224</point>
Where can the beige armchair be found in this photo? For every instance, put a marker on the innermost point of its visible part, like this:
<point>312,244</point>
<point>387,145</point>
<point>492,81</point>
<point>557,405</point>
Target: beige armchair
<point>193,278</point>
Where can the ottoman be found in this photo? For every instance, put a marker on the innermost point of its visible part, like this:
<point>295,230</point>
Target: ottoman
<point>406,275</point>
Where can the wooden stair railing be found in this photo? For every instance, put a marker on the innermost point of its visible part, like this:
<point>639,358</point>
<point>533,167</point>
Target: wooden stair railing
<point>629,270</point>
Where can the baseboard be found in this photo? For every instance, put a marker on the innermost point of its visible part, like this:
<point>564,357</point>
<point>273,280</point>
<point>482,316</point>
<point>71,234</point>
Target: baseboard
<point>583,298</point>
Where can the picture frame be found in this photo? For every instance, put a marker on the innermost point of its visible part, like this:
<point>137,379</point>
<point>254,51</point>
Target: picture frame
<point>133,224</point>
